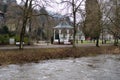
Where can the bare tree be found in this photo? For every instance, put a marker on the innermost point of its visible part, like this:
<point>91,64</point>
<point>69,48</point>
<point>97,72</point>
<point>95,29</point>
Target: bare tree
<point>115,20</point>
<point>74,6</point>
<point>28,11</point>
<point>112,18</point>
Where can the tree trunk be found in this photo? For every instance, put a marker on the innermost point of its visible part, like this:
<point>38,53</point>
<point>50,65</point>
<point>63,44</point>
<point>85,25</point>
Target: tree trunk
<point>116,41</point>
<point>97,42</point>
<point>30,25</point>
<point>22,38</point>
<point>102,36</point>
<point>74,37</point>
<point>22,34</point>
<point>21,41</point>
<point>74,24</point>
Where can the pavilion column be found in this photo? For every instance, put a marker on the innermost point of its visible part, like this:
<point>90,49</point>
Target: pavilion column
<point>59,35</point>
<point>59,32</point>
<point>67,31</point>
<point>54,35</point>
<point>68,35</point>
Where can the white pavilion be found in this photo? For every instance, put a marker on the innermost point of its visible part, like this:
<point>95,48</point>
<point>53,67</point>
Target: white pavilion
<point>63,33</point>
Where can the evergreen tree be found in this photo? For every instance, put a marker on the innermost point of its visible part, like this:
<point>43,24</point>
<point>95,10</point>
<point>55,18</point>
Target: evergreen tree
<point>92,27</point>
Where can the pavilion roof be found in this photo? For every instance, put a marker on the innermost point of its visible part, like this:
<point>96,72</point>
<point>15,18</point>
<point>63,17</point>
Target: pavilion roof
<point>63,24</point>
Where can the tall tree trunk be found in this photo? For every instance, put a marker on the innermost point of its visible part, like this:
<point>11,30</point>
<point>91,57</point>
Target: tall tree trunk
<point>74,23</point>
<point>22,37</point>
<point>21,41</point>
<point>30,25</point>
<point>26,14</point>
<point>22,33</point>
<point>116,41</point>
<point>102,36</point>
<point>97,42</point>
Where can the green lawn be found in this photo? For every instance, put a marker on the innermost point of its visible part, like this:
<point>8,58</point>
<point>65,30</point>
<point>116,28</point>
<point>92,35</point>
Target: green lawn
<point>100,41</point>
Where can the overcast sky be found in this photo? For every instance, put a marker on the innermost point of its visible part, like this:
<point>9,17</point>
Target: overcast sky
<point>58,8</point>
<point>54,7</point>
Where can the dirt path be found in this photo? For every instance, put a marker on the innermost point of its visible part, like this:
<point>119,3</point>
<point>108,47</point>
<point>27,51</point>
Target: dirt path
<point>48,46</point>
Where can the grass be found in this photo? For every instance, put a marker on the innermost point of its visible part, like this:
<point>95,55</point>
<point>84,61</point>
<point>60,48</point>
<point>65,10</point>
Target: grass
<point>88,41</point>
<point>35,55</point>
<point>100,41</point>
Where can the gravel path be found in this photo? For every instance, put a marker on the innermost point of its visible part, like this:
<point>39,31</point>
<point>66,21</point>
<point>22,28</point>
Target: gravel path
<point>48,46</point>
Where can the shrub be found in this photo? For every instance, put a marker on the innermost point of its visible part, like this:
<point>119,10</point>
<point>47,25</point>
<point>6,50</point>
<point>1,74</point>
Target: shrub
<point>17,39</point>
<point>4,39</point>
